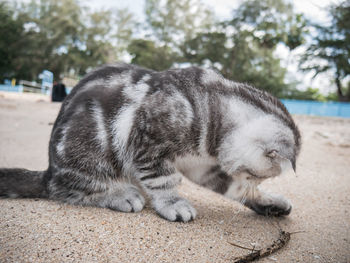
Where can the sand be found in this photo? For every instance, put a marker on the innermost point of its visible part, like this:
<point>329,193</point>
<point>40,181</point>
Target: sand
<point>46,231</point>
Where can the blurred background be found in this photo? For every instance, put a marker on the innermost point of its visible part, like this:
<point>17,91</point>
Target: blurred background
<point>293,49</point>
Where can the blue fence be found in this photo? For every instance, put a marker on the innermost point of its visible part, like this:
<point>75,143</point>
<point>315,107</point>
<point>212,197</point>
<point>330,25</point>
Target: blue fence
<point>17,88</point>
<point>336,109</point>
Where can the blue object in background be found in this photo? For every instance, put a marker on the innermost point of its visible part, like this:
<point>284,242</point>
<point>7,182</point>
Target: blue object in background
<point>17,88</point>
<point>47,81</point>
<point>317,108</point>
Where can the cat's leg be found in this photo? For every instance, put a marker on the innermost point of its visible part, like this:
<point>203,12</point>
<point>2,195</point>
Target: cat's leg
<point>159,181</point>
<point>117,195</point>
<point>244,188</point>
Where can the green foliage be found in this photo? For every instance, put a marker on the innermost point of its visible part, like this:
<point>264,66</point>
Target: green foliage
<point>173,21</point>
<point>308,94</point>
<point>145,53</point>
<point>243,48</point>
<point>61,36</point>
<point>93,47</point>
<point>69,39</point>
<point>54,29</point>
<point>332,96</point>
<point>11,32</point>
<point>205,46</point>
<point>124,31</point>
<point>270,22</point>
<point>259,26</point>
<point>330,50</point>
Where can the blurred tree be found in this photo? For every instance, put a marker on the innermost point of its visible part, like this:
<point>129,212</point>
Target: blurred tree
<point>169,24</point>
<point>147,54</point>
<point>61,36</point>
<point>174,21</point>
<point>244,48</point>
<point>270,22</point>
<point>94,47</point>
<point>11,32</point>
<point>209,46</point>
<point>125,25</point>
<point>53,28</point>
<point>308,94</point>
<point>330,50</point>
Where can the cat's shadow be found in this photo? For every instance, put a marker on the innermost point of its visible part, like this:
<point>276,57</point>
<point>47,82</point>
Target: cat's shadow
<point>228,216</point>
<point>236,213</point>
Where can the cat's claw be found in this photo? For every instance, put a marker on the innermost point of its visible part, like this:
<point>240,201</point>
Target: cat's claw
<point>129,202</point>
<point>270,210</point>
<point>271,205</point>
<point>179,210</point>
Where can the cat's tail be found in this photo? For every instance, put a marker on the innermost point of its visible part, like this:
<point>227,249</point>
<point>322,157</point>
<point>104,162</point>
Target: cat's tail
<point>22,183</point>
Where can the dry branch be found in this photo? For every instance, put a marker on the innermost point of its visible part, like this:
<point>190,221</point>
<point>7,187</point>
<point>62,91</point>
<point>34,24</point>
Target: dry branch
<point>264,252</point>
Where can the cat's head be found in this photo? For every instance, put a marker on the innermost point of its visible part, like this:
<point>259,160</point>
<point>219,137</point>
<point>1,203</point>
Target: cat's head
<point>264,147</point>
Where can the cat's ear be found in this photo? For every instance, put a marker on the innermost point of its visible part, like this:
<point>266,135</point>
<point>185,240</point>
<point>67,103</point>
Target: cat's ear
<point>272,154</point>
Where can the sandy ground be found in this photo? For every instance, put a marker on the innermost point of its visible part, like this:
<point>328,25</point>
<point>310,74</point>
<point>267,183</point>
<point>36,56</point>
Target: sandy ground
<point>46,231</point>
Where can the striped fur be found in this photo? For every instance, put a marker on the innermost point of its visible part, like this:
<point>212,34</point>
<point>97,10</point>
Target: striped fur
<point>124,132</point>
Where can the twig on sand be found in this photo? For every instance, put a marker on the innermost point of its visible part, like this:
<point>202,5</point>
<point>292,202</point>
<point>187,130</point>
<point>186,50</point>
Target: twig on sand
<point>264,252</point>
<point>239,246</point>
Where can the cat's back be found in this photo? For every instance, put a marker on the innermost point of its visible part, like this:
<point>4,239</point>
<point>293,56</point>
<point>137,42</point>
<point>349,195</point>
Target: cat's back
<point>106,84</point>
<point>84,124</point>
<point>113,87</point>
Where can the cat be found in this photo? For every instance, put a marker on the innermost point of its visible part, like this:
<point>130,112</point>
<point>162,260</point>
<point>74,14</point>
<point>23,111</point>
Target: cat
<point>126,133</point>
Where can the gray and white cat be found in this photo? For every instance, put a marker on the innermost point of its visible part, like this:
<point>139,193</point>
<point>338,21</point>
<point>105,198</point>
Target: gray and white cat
<point>125,133</point>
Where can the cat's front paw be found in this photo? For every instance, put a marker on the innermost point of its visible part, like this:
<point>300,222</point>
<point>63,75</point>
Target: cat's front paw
<point>270,210</point>
<point>175,209</point>
<point>270,205</point>
<point>129,201</point>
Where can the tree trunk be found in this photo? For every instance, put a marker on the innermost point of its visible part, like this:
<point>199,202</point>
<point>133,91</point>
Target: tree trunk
<point>341,95</point>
